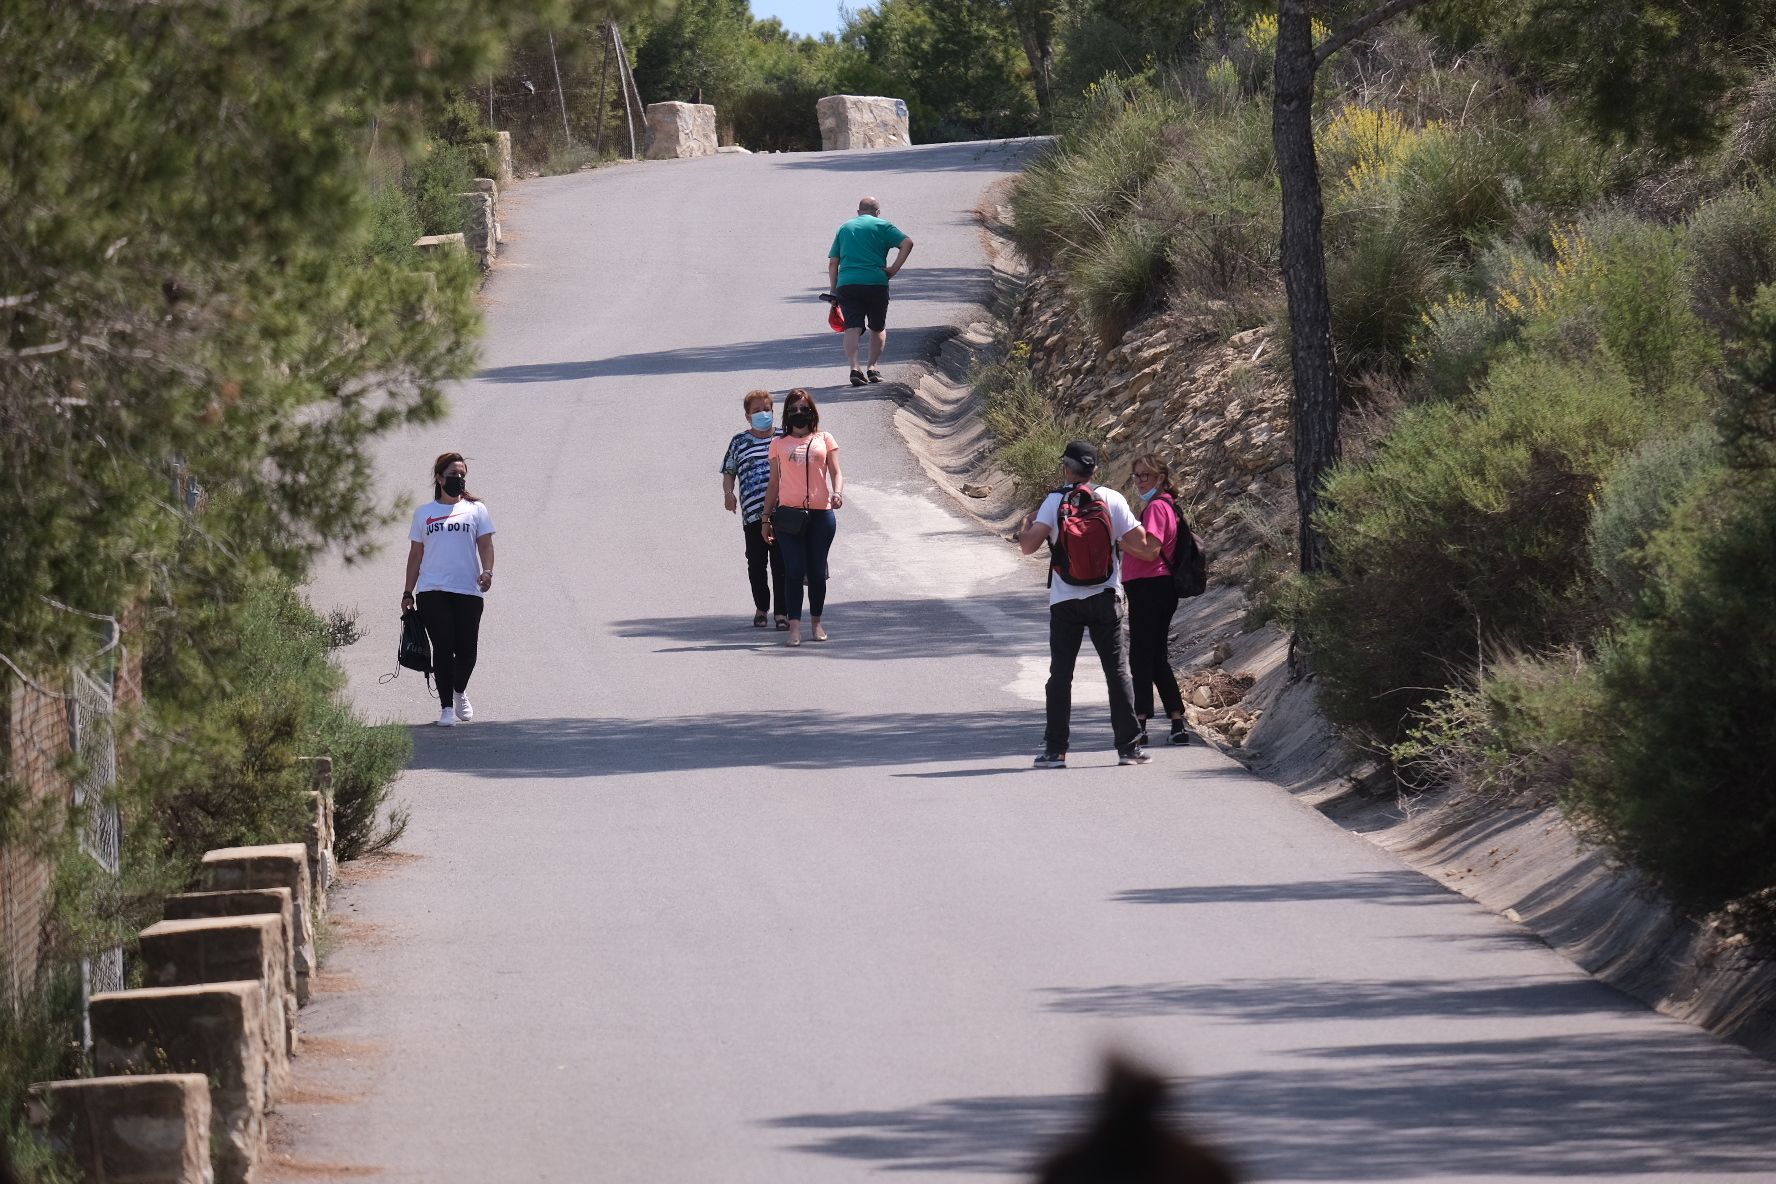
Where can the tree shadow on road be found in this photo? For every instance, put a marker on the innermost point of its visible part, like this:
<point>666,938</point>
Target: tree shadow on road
<point>782,353</point>
<point>982,155</point>
<point>1401,887</point>
<point>1595,1105</point>
<point>1293,1000</point>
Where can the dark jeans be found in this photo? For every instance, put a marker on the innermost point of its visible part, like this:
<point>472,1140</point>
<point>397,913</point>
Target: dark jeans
<point>1068,623</point>
<point>805,555</point>
<point>1151,602</point>
<point>453,622</point>
<point>759,553</point>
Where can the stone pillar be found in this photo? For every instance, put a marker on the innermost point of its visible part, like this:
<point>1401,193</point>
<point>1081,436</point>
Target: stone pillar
<point>226,950</point>
<point>490,187</point>
<point>502,157</point>
<point>680,130</point>
<point>248,902</point>
<point>478,235</point>
<point>427,243</point>
<point>152,1129</point>
<point>862,121</point>
<point>276,865</point>
<point>214,1030</point>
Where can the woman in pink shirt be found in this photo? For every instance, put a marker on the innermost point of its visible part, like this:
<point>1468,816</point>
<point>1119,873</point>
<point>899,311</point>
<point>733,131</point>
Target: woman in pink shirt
<point>1152,599</point>
<point>806,487</point>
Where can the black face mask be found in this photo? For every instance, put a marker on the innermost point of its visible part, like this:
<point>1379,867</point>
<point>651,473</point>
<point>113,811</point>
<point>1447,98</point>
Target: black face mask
<point>455,484</point>
<point>799,418</point>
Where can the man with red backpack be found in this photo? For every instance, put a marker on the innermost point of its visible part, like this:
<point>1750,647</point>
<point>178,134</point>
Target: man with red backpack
<point>1087,527</point>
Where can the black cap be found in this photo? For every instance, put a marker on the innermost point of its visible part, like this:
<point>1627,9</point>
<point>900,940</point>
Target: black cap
<point>1083,455</point>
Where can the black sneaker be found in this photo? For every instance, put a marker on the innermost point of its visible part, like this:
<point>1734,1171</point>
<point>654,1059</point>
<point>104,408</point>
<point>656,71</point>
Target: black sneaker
<point>1179,735</point>
<point>857,378</point>
<point>1133,755</point>
<point>1140,740</point>
<point>1052,760</point>
<point>873,375</point>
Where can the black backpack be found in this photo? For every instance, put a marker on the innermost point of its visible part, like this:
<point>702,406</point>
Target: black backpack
<point>1188,561</point>
<point>416,647</point>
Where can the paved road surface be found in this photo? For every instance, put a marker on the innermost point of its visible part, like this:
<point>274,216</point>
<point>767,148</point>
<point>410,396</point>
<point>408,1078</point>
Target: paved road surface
<point>685,905</point>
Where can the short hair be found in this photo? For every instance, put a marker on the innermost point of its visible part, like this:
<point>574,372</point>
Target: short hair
<point>752,397</point>
<point>801,394</point>
<point>869,205</point>
<point>1077,469</point>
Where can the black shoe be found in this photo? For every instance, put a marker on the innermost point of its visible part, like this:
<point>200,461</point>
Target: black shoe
<point>1052,760</point>
<point>1134,755</point>
<point>857,378</point>
<point>1140,740</point>
<point>1179,735</point>
<point>873,375</point>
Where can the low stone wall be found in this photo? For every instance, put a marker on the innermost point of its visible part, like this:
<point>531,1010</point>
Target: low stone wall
<point>849,122</point>
<point>680,131</point>
<point>198,1055</point>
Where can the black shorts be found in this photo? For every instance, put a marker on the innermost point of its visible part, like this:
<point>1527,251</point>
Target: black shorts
<point>863,303</point>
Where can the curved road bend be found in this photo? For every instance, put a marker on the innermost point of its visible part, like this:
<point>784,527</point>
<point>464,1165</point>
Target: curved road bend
<point>682,904</point>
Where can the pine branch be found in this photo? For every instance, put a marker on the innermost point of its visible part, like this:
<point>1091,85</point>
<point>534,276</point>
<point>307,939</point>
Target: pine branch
<point>1360,26</point>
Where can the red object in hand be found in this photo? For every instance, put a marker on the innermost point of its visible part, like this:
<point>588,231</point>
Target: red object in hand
<point>835,318</point>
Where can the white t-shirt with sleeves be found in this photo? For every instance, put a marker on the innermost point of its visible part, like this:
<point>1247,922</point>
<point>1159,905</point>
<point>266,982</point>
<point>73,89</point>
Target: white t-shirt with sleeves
<point>448,532</point>
<point>1122,520</point>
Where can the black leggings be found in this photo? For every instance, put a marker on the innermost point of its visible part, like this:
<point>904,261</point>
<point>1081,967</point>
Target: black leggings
<point>1151,603</point>
<point>767,595</point>
<point>453,622</point>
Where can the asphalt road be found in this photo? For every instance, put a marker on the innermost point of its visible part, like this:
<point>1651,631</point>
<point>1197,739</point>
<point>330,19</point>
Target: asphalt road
<point>682,904</point>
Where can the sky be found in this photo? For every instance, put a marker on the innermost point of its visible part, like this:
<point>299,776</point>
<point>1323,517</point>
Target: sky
<point>808,17</point>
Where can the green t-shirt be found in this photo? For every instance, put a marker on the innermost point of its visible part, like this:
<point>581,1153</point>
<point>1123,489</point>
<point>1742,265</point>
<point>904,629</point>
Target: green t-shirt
<point>861,246</point>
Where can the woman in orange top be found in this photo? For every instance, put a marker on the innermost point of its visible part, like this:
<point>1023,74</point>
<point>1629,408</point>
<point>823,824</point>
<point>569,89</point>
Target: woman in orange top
<point>806,487</point>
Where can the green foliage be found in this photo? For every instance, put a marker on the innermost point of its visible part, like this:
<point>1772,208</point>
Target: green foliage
<point>1637,502</point>
<point>1454,346</point>
<point>1029,432</point>
<point>434,180</point>
<point>1465,533</point>
<point>958,62</point>
<point>1120,276</point>
<point>1732,252</point>
<point>1382,282</point>
<point>40,1041</point>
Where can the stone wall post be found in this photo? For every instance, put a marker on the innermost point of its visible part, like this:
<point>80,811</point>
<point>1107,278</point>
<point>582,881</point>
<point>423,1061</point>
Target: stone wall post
<point>224,950</point>
<point>249,902</point>
<point>151,1129</point>
<point>214,1030</point>
<point>478,226</point>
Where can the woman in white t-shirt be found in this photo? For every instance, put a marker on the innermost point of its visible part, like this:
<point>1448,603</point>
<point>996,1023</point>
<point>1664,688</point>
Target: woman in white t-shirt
<point>450,567</point>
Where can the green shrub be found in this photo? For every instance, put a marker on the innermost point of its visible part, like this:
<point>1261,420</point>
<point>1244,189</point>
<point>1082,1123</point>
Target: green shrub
<point>1029,432</point>
<point>39,1041</point>
<point>1637,501</point>
<point>1638,291</point>
<point>1732,251</point>
<point>366,761</point>
<point>1454,346</point>
<point>1224,230</point>
<point>1685,786</point>
<point>1456,186</point>
<point>1464,532</point>
<point>1383,280</point>
<point>434,179</point>
<point>393,225</point>
<point>1121,276</point>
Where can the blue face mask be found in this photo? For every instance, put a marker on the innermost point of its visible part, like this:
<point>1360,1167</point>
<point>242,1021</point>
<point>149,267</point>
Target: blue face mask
<point>761,421</point>
<point>1148,496</point>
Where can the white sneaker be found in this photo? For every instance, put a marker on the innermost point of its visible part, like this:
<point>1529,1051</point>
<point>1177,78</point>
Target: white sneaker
<point>465,710</point>
<point>447,718</point>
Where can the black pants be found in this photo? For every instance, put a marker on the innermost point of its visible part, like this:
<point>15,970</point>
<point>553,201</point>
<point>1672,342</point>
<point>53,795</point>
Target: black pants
<point>1152,601</point>
<point>453,622</point>
<point>1068,623</point>
<point>805,555</point>
<point>864,304</point>
<point>767,595</point>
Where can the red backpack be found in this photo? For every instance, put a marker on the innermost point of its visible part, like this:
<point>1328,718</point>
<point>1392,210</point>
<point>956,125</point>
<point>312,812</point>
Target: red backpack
<point>1084,548</point>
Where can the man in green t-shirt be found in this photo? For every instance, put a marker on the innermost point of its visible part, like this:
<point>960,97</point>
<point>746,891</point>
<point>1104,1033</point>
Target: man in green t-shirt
<point>858,271</point>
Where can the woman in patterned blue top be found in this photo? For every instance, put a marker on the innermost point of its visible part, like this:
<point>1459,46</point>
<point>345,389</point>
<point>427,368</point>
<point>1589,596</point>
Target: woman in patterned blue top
<point>748,465</point>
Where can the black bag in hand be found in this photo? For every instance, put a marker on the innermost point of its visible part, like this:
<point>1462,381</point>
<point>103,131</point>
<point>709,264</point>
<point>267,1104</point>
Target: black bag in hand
<point>416,647</point>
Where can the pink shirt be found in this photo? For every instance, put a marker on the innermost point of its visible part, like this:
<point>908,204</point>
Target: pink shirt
<point>801,470</point>
<point>1160,520</point>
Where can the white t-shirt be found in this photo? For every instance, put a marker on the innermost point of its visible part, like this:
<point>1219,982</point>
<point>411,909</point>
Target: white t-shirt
<point>1122,520</point>
<point>450,563</point>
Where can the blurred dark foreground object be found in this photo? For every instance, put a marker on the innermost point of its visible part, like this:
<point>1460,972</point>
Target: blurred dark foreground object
<point>1130,1140</point>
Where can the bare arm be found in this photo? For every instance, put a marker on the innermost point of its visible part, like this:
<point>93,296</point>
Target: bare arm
<point>415,552</point>
<point>835,480</point>
<point>728,498</point>
<point>1032,534</point>
<point>906,248</point>
<point>771,497</point>
<point>484,545</point>
<point>1140,544</point>
<point>832,273</point>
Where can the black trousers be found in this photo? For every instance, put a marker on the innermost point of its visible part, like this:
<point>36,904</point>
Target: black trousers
<point>1068,624</point>
<point>767,595</point>
<point>453,622</point>
<point>1151,603</point>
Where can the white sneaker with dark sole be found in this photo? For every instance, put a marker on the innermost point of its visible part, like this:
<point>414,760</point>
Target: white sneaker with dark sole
<point>1052,760</point>
<point>465,710</point>
<point>447,718</point>
<point>1133,756</point>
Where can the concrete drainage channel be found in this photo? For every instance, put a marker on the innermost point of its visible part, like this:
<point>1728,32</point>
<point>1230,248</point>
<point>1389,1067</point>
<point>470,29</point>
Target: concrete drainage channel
<point>1524,863</point>
<point>189,1065</point>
